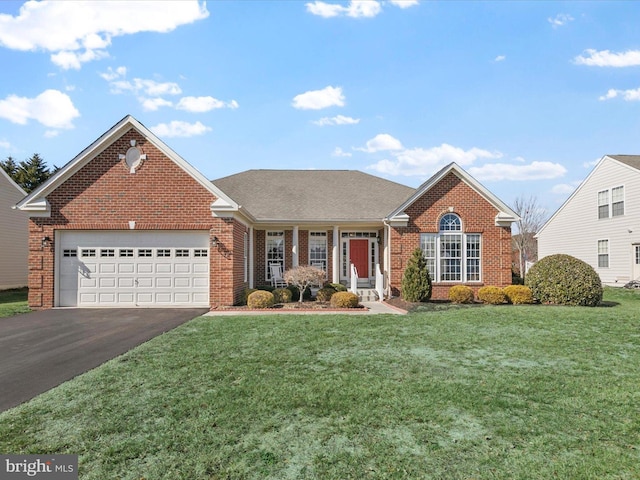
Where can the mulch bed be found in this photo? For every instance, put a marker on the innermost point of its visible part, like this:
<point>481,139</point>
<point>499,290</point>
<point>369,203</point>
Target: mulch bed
<point>293,306</point>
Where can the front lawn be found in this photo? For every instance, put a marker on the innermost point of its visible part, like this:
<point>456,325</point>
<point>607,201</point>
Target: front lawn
<point>507,392</point>
<point>13,302</point>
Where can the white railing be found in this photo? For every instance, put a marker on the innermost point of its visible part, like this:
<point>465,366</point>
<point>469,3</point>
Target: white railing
<point>354,279</point>
<point>379,283</point>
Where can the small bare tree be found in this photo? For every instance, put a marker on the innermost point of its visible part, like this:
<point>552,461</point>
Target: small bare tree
<point>304,276</point>
<point>532,218</point>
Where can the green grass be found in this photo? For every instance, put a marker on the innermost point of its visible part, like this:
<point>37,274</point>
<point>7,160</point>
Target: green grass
<point>508,392</point>
<point>13,302</point>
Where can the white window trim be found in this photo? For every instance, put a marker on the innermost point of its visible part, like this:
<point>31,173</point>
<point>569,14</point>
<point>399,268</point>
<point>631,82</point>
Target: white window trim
<point>608,253</point>
<point>266,250</point>
<point>323,235</point>
<point>610,202</point>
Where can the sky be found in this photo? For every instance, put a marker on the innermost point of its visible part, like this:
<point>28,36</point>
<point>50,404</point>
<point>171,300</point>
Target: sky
<point>525,96</point>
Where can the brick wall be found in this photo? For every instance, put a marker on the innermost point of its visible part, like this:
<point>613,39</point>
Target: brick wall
<point>104,195</point>
<point>451,194</point>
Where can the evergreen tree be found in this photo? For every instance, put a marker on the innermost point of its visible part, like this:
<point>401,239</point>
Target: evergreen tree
<point>416,281</point>
<point>30,173</point>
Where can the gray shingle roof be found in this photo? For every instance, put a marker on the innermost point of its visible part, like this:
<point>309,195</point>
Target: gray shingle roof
<point>313,195</point>
<point>631,160</point>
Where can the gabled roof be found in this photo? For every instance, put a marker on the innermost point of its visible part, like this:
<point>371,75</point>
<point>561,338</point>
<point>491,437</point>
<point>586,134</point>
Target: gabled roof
<point>505,214</point>
<point>632,162</point>
<point>36,200</point>
<point>272,196</point>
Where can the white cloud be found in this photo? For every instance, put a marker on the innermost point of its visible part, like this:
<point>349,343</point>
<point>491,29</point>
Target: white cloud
<point>564,188</point>
<point>5,144</point>
<point>337,120</point>
<point>404,3</point>
<point>78,32</point>
<point>355,9</point>
<point>153,104</point>
<point>51,108</point>
<point>110,75</point>
<point>423,162</point>
<point>203,104</point>
<point>627,95</point>
<point>338,152</point>
<point>51,133</point>
<point>178,128</point>
<point>381,142</point>
<point>319,99</point>
<point>504,171</point>
<point>500,58</point>
<point>605,58</point>
<point>560,20</point>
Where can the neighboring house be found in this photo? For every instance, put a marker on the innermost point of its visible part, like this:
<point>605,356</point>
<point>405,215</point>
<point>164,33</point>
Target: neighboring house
<point>128,222</point>
<point>14,235</point>
<point>600,222</point>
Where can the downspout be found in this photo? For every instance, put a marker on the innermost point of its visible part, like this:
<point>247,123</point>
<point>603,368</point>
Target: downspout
<point>387,258</point>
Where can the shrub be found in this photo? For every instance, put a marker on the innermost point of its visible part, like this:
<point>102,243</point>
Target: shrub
<point>518,294</point>
<point>461,294</point>
<point>325,294</point>
<point>416,282</point>
<point>295,293</point>
<point>260,299</point>
<point>337,286</point>
<point>282,295</point>
<point>344,300</point>
<point>245,295</point>
<point>492,295</point>
<point>564,280</point>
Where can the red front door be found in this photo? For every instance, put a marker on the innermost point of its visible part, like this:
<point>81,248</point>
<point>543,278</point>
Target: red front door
<point>359,251</point>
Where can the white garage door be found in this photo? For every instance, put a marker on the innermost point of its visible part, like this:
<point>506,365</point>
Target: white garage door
<point>133,269</point>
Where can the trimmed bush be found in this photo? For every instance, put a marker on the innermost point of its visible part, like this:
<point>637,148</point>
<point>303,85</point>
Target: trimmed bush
<point>564,280</point>
<point>282,295</point>
<point>518,294</point>
<point>325,294</point>
<point>337,286</point>
<point>461,294</point>
<point>295,293</point>
<point>492,295</point>
<point>416,281</point>
<point>260,299</point>
<point>344,300</point>
<point>245,295</point>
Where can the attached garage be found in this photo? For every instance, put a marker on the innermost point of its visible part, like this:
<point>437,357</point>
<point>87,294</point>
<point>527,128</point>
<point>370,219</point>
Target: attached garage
<point>97,268</point>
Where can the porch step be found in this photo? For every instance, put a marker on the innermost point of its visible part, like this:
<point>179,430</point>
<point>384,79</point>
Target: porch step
<point>367,295</point>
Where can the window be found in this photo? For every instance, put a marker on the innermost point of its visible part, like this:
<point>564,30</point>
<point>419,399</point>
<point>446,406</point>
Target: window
<point>318,249</point>
<point>275,250</point>
<point>125,252</point>
<point>603,253</point>
<point>611,208</point>
<point>182,252</point>
<point>107,252</point>
<point>603,204</point>
<point>452,256</point>
<point>69,252</point>
<point>200,252</point>
<point>617,201</point>
<point>145,252</point>
<point>88,252</point>
<point>163,252</point>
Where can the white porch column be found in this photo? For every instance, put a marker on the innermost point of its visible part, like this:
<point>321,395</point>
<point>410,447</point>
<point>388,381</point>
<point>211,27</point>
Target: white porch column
<point>336,256</point>
<point>251,265</point>
<point>294,250</point>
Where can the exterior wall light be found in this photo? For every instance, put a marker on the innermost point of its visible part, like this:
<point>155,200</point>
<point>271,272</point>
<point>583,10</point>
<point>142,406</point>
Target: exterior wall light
<point>214,241</point>
<point>46,241</point>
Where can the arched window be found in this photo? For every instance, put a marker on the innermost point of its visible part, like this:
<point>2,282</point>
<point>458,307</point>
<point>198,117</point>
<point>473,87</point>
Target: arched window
<point>450,222</point>
<point>452,256</point>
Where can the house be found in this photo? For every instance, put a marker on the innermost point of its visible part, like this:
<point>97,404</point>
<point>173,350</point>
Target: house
<point>128,222</point>
<point>14,235</point>
<point>600,222</point>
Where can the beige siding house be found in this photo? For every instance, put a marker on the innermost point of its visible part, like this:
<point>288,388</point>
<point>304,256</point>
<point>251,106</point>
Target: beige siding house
<point>14,234</point>
<point>600,222</point>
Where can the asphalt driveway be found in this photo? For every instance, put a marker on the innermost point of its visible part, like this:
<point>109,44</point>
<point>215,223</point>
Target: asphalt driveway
<point>41,350</point>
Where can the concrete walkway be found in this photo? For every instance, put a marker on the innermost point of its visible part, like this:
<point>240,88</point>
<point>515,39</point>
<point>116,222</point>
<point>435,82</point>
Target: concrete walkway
<point>372,308</point>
